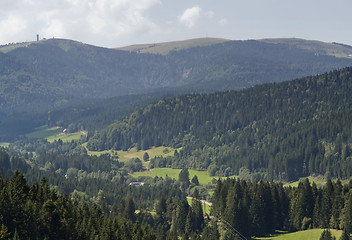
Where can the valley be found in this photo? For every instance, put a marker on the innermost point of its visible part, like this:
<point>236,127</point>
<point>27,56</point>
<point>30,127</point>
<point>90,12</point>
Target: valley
<point>195,139</point>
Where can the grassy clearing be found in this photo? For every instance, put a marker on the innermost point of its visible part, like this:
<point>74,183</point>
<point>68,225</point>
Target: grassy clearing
<point>206,208</point>
<point>68,137</point>
<point>134,153</point>
<point>55,133</point>
<point>203,176</point>
<point>45,132</point>
<point>4,144</point>
<point>153,152</point>
<point>319,181</point>
<point>311,234</point>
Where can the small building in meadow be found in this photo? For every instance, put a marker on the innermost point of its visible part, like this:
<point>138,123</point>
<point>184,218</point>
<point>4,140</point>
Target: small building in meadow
<point>136,184</point>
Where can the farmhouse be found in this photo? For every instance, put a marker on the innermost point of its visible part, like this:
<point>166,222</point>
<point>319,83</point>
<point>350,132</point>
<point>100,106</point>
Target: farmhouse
<point>136,184</point>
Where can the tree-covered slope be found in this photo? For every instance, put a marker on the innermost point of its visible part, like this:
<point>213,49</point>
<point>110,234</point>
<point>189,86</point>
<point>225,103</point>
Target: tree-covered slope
<point>287,130</point>
<point>46,74</point>
<point>42,76</point>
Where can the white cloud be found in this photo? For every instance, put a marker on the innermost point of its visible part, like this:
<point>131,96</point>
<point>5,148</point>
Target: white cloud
<point>210,14</point>
<point>190,16</point>
<point>222,21</point>
<point>83,20</point>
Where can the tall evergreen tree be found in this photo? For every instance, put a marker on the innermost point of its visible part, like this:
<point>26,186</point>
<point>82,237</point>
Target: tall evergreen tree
<point>198,219</point>
<point>326,235</point>
<point>347,214</point>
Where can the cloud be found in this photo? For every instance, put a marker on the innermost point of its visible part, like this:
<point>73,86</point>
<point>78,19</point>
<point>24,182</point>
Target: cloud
<point>190,16</point>
<point>210,14</point>
<point>222,21</point>
<point>83,20</point>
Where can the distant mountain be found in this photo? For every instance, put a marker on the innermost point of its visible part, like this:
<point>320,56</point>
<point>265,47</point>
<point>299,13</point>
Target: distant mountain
<point>40,76</point>
<point>282,130</point>
<point>316,47</point>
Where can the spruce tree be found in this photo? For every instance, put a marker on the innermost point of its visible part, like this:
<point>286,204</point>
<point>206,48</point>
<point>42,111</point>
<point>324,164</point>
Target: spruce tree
<point>326,235</point>
<point>4,234</point>
<point>347,214</point>
<point>345,235</point>
<point>198,219</point>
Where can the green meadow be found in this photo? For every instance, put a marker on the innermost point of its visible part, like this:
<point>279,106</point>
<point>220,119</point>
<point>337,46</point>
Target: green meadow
<point>134,153</point>
<point>68,137</point>
<point>203,176</point>
<point>4,144</point>
<point>55,133</point>
<point>152,152</point>
<point>44,132</point>
<point>311,234</point>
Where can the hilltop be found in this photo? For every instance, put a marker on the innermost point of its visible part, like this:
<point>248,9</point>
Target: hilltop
<point>166,47</point>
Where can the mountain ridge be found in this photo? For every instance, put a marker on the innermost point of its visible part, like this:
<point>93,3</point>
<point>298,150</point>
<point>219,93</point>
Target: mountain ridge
<point>39,77</point>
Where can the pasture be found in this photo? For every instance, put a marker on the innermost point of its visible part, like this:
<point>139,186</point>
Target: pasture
<point>311,234</point>
<point>203,176</point>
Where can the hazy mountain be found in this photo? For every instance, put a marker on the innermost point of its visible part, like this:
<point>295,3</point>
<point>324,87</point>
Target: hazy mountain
<point>40,76</point>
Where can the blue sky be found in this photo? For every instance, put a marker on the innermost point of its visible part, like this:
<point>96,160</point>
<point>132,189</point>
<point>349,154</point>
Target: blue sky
<point>116,23</point>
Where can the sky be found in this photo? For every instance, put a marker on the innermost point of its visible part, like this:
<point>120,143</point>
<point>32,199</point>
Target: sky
<point>117,23</point>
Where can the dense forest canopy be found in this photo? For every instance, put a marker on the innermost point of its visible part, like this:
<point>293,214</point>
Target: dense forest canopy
<point>240,209</point>
<point>291,129</point>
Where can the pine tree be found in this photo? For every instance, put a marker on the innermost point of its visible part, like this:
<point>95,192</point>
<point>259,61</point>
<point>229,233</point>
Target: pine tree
<point>198,219</point>
<point>50,218</point>
<point>337,205</point>
<point>4,234</point>
<point>195,180</point>
<point>326,235</point>
<point>345,235</point>
<point>210,232</point>
<point>183,178</point>
<point>129,211</point>
<point>161,207</point>
<point>146,156</point>
<point>347,214</point>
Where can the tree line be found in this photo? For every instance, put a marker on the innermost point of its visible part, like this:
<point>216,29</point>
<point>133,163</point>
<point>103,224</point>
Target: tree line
<point>261,208</point>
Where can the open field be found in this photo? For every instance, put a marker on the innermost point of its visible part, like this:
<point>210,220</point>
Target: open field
<point>44,132</point>
<point>153,152</point>
<point>311,234</point>
<point>203,176</point>
<point>68,137</point>
<point>319,181</point>
<point>55,133</point>
<point>4,144</point>
<point>134,153</point>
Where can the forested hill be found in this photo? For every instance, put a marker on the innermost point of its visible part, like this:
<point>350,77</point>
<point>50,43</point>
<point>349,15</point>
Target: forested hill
<point>282,130</point>
<point>42,75</point>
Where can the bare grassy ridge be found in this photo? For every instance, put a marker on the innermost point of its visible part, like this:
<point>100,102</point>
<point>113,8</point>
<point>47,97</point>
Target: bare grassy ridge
<point>165,48</point>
